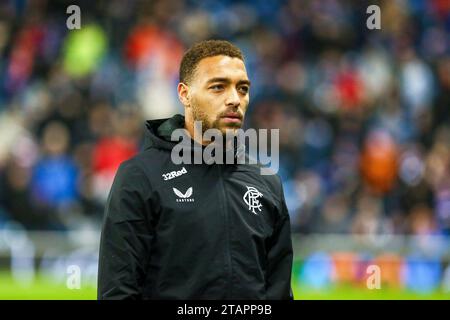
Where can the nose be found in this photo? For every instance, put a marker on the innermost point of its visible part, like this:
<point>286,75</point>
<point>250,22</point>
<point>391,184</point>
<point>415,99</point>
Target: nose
<point>233,99</point>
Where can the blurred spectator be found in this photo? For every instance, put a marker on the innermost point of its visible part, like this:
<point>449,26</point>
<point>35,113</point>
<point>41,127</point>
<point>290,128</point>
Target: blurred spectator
<point>55,176</point>
<point>111,149</point>
<point>379,162</point>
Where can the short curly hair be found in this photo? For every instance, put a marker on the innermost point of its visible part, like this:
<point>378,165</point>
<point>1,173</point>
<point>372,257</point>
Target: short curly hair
<point>204,49</point>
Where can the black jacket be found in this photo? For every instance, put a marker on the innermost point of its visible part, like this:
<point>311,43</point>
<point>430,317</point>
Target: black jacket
<point>193,234</point>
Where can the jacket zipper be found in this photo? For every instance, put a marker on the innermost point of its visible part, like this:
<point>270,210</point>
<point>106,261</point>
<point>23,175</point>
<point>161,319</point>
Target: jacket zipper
<point>227,232</point>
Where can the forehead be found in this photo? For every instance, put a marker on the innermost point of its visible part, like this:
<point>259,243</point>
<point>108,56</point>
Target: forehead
<point>220,67</point>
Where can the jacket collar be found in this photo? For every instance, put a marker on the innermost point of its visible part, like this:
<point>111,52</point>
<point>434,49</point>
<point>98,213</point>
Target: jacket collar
<point>159,132</point>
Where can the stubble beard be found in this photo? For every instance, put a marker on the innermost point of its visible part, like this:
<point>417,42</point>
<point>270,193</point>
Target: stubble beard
<point>199,115</point>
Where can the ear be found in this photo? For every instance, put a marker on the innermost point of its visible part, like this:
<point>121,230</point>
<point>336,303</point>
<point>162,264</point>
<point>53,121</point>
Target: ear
<point>183,94</point>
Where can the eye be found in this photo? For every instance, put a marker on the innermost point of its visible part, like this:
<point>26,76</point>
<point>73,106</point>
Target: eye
<point>216,87</point>
<point>243,89</point>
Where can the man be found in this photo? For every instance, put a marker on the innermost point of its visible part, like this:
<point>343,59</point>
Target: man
<point>196,231</point>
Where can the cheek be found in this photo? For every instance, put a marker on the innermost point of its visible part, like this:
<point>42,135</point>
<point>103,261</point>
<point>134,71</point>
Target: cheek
<point>207,107</point>
<point>212,105</point>
<point>244,103</point>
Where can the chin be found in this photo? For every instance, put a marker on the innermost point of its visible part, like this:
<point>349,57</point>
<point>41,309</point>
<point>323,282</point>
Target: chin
<point>232,129</point>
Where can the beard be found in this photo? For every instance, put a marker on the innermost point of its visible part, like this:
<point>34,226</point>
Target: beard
<point>199,115</point>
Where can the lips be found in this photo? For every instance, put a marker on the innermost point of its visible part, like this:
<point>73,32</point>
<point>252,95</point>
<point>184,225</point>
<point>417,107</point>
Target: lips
<point>232,118</point>
<point>232,115</point>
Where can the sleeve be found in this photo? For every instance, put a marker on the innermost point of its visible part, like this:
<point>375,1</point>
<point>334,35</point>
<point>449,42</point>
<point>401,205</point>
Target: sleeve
<point>280,256</point>
<point>126,236</point>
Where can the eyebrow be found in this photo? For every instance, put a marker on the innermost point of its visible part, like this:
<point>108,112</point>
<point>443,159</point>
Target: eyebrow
<point>227,80</point>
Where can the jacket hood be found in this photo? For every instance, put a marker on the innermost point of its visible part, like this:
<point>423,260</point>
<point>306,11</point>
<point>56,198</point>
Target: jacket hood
<point>159,132</point>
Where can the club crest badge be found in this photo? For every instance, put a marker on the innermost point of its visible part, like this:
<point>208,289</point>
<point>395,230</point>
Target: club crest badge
<point>251,199</point>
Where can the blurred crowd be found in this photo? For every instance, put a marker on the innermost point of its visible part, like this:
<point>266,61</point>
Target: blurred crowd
<point>364,115</point>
